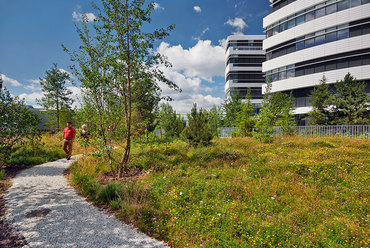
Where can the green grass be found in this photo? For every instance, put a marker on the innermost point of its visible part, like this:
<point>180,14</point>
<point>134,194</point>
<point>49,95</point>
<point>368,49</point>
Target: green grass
<point>2,174</point>
<point>294,192</point>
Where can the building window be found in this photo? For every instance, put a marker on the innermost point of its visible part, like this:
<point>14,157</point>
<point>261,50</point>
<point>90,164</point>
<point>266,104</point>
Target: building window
<point>320,13</point>
<point>355,3</point>
<point>343,34</point>
<point>343,5</point>
<point>330,37</point>
<point>309,43</point>
<point>319,40</point>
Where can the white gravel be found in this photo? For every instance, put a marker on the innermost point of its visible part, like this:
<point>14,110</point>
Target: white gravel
<point>72,221</point>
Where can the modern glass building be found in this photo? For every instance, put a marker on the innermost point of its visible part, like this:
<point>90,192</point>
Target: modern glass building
<point>243,61</point>
<point>307,39</point>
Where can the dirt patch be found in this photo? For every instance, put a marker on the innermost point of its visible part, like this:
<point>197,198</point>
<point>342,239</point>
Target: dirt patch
<point>129,174</point>
<point>9,237</point>
<point>38,213</point>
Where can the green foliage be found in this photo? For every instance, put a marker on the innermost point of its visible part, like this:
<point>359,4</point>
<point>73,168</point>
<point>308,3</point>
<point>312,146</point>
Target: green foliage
<point>276,110</point>
<point>57,97</point>
<point>245,120</point>
<point>17,122</point>
<point>2,174</point>
<point>320,100</point>
<point>169,122</point>
<point>215,120</point>
<point>265,119</point>
<point>87,184</point>
<point>350,102</point>
<point>294,192</point>
<point>232,107</point>
<point>198,131</point>
<point>109,193</point>
<point>119,72</point>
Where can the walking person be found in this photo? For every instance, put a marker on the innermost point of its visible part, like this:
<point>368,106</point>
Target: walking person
<point>69,134</point>
<point>84,137</point>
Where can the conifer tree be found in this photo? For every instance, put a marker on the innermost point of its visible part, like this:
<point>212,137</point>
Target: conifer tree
<point>244,120</point>
<point>198,131</point>
<point>320,100</point>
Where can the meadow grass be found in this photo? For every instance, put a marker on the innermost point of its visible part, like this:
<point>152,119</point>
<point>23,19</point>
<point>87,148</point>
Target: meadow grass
<point>294,192</point>
<point>49,149</point>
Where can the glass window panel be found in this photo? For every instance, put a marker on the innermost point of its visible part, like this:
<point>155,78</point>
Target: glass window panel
<point>331,9</point>
<point>355,3</point>
<point>355,31</point>
<point>291,23</point>
<point>282,75</point>
<point>343,5</point>
<point>330,37</point>
<point>290,73</point>
<point>309,43</point>
<point>310,16</point>
<point>275,30</point>
<point>300,45</point>
<point>309,70</point>
<point>300,20</point>
<point>319,68</point>
<point>343,34</point>
<point>355,62</point>
<point>366,60</point>
<point>319,40</point>
<point>329,66</point>
<point>366,29</point>
<point>283,27</point>
<point>299,72</point>
<point>320,13</point>
<point>365,1</point>
<point>343,63</point>
<point>275,77</point>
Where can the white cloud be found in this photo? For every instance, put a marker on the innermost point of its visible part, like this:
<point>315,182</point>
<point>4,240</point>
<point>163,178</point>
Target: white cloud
<point>204,31</point>
<point>197,9</point>
<point>79,17</point>
<point>10,81</point>
<point>237,23</point>
<point>156,6</point>
<point>31,98</point>
<point>204,60</point>
<point>190,67</point>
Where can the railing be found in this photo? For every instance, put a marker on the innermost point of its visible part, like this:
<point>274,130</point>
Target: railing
<point>353,131</point>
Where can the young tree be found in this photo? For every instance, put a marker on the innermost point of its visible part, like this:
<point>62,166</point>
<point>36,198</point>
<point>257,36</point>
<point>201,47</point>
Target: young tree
<point>276,110</point>
<point>215,120</point>
<point>169,121</point>
<point>17,123</point>
<point>231,107</point>
<point>198,131</point>
<point>320,100</point>
<point>350,103</point>
<point>119,55</point>
<point>56,97</point>
<point>244,120</point>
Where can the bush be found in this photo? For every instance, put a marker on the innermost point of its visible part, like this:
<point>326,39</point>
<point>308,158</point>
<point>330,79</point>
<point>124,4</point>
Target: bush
<point>109,193</point>
<point>198,132</point>
<point>2,174</point>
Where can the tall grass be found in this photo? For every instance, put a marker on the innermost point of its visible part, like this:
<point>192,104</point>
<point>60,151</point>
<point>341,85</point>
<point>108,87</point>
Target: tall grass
<point>294,192</point>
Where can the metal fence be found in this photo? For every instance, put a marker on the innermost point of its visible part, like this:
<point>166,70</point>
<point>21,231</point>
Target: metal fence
<point>354,131</point>
<point>226,132</point>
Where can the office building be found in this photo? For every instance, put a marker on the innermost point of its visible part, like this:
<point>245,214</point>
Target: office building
<point>243,61</point>
<point>307,39</point>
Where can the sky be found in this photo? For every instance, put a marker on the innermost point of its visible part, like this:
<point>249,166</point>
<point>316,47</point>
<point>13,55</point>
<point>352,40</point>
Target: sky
<point>32,32</point>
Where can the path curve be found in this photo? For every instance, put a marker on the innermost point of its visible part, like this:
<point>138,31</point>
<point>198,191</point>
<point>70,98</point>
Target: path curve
<point>72,222</point>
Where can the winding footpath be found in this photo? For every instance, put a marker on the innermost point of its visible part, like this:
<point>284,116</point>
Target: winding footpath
<point>49,213</point>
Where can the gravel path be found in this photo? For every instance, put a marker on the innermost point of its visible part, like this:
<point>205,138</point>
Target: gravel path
<point>49,213</point>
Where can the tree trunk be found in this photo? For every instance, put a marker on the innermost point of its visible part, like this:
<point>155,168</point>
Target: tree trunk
<point>58,114</point>
<point>126,155</point>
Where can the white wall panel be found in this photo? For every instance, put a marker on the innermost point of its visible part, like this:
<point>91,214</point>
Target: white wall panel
<point>341,46</point>
<point>359,72</point>
<point>345,16</point>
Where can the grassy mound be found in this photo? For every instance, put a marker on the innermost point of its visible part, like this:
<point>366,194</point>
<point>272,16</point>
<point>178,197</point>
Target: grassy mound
<point>295,192</point>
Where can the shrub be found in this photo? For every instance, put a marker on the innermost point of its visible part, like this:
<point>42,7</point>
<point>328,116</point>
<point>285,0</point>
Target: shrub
<point>109,193</point>
<point>2,174</point>
<point>198,132</point>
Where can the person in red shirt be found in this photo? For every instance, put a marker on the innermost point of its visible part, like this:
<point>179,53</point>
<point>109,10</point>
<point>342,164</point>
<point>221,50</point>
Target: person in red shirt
<point>69,134</point>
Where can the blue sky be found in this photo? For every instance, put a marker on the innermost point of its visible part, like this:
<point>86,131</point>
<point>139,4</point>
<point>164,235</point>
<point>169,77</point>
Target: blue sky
<point>32,32</point>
